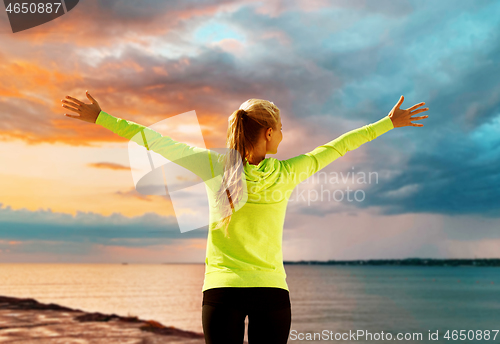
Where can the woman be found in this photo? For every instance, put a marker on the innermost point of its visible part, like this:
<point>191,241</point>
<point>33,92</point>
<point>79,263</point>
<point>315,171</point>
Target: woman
<point>244,272</point>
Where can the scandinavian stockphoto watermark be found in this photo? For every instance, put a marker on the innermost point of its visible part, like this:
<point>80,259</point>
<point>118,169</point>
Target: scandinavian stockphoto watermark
<point>302,186</point>
<point>464,335</point>
<point>334,187</point>
<point>359,335</point>
<point>25,15</point>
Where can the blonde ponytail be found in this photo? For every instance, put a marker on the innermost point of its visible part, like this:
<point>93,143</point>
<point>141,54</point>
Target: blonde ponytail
<point>245,127</point>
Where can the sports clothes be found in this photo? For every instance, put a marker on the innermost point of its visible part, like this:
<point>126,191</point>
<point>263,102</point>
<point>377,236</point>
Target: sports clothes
<point>224,311</point>
<point>252,256</point>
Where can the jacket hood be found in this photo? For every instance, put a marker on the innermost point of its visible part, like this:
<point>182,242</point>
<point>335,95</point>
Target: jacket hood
<point>262,176</point>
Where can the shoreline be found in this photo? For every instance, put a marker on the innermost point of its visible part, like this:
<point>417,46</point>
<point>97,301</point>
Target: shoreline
<point>31,321</point>
<point>445,262</point>
<point>459,262</point>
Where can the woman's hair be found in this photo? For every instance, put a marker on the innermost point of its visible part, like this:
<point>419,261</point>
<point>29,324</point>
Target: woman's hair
<point>244,130</point>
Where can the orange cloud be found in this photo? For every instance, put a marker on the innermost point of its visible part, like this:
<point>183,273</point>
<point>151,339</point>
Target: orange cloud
<point>133,193</point>
<point>109,165</point>
<point>11,242</point>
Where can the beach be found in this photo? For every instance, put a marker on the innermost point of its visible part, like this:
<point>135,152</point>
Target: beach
<point>393,299</point>
<point>29,321</point>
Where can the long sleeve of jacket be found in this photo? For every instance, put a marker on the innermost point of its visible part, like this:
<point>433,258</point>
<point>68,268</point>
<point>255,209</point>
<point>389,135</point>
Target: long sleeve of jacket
<point>195,159</point>
<point>303,166</point>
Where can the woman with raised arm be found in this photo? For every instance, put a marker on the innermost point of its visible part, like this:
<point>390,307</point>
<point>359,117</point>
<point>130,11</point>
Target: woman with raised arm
<point>244,272</point>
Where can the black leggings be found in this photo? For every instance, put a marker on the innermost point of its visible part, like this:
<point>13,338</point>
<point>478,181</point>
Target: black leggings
<point>224,311</point>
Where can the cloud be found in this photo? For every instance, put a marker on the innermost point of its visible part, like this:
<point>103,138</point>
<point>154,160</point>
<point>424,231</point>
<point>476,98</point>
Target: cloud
<point>109,165</point>
<point>458,177</point>
<point>116,229</point>
<point>371,235</point>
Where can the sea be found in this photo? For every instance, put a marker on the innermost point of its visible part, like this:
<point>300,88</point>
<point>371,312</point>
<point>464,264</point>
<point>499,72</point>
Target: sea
<point>330,303</point>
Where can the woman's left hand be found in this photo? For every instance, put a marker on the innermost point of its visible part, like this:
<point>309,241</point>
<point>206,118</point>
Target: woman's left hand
<point>86,112</point>
<point>403,118</point>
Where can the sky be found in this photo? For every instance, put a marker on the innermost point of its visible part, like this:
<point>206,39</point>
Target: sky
<point>66,187</point>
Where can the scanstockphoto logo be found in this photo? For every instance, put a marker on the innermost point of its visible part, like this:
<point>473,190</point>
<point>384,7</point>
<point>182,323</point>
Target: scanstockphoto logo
<point>170,158</point>
<point>24,15</point>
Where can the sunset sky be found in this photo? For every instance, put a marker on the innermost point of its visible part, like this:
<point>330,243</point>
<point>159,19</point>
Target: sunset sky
<point>66,187</point>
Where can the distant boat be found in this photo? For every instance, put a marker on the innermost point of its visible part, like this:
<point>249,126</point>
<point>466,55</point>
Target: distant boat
<point>124,263</point>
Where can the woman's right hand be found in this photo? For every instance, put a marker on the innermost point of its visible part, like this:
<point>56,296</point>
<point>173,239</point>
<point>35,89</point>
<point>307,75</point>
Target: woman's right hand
<point>86,112</point>
<point>402,118</point>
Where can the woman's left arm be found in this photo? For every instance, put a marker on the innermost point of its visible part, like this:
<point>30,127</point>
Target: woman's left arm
<point>305,165</point>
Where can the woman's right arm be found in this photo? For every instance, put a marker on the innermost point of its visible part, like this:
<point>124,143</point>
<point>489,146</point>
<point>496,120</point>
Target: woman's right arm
<point>195,159</point>
<point>200,161</point>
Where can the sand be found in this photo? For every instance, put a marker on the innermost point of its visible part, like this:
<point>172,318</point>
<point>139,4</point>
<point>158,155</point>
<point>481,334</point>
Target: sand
<point>27,321</point>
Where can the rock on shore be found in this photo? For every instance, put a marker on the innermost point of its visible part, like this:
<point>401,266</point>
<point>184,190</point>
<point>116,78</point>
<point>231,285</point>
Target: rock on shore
<point>29,321</point>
